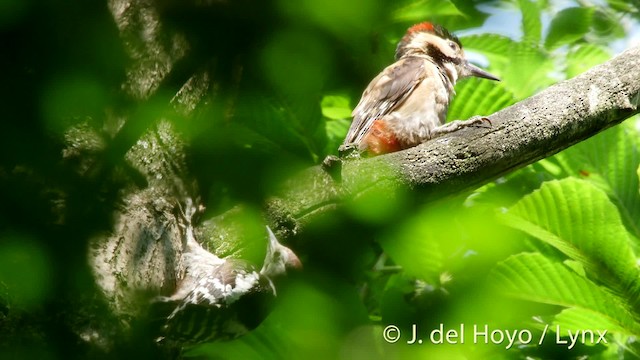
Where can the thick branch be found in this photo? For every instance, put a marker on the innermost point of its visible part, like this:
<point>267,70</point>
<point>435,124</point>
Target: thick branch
<point>532,129</point>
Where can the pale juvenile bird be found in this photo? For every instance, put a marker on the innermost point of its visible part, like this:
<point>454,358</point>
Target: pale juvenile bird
<point>218,298</point>
<point>406,104</point>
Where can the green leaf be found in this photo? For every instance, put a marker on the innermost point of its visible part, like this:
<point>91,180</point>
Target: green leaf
<point>534,277</point>
<point>478,97</point>
<point>609,161</point>
<point>415,247</point>
<point>606,23</point>
<point>511,187</point>
<point>579,220</point>
<point>585,319</point>
<point>638,173</point>
<point>336,131</point>
<point>336,107</point>
<point>488,44</point>
<point>531,25</point>
<point>416,11</point>
<point>25,272</point>
<point>568,26</point>
<point>528,70</point>
<point>623,6</point>
<point>585,56</point>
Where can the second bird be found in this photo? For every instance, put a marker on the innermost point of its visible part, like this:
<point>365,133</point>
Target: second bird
<point>406,104</point>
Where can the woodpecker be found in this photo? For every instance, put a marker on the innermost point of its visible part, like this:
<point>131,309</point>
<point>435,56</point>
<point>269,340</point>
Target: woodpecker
<point>406,104</point>
<point>219,298</point>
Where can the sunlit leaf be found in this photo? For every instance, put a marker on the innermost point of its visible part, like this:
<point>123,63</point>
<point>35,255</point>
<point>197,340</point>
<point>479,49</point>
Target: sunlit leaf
<point>416,251</point>
<point>609,161</point>
<point>376,206</point>
<point>533,277</point>
<point>584,57</point>
<point>528,70</point>
<point>488,44</point>
<point>336,132</point>
<point>623,6</point>
<point>584,319</point>
<point>336,107</point>
<point>531,24</point>
<point>511,187</point>
<point>568,26</point>
<point>579,220</point>
<point>416,11</point>
<point>478,97</point>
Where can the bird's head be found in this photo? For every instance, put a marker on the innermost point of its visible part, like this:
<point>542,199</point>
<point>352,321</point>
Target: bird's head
<point>279,258</point>
<point>442,47</point>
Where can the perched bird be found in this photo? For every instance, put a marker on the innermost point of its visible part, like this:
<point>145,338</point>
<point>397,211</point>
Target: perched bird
<point>406,104</point>
<point>220,298</point>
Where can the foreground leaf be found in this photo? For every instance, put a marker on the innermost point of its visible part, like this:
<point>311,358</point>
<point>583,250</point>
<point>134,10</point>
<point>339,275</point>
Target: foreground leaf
<point>534,277</point>
<point>579,220</point>
<point>608,161</point>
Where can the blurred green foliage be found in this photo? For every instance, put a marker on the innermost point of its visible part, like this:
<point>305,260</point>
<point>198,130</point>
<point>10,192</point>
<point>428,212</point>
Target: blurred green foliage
<point>24,270</point>
<point>555,243</point>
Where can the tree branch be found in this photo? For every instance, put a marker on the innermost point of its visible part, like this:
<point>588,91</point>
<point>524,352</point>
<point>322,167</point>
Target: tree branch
<point>530,130</point>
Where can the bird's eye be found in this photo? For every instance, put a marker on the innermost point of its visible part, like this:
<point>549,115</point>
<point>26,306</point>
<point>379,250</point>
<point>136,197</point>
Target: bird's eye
<point>453,45</point>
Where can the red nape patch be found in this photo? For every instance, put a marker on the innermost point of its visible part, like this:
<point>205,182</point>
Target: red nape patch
<point>423,26</point>
<point>380,140</point>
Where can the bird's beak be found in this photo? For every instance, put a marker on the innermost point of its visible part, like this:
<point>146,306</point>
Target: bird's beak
<point>477,72</point>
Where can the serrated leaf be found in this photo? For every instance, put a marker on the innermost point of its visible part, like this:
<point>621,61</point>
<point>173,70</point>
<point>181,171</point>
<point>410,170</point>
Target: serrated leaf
<point>550,167</point>
<point>478,97</point>
<point>531,24</point>
<point>528,70</point>
<point>568,26</point>
<point>584,57</point>
<point>488,44</point>
<point>579,220</point>
<point>534,277</point>
<point>585,319</point>
<point>609,161</point>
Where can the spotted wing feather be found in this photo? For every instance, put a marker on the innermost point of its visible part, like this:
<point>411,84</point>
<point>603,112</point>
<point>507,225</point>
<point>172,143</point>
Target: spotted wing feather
<point>217,305</point>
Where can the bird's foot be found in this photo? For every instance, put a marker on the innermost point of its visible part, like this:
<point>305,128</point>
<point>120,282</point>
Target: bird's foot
<point>348,151</point>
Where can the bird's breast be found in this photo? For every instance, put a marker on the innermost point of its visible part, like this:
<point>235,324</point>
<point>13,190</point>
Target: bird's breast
<point>422,111</point>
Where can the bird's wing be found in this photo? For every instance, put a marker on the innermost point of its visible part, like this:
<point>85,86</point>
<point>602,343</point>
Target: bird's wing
<point>384,94</point>
<point>229,282</point>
